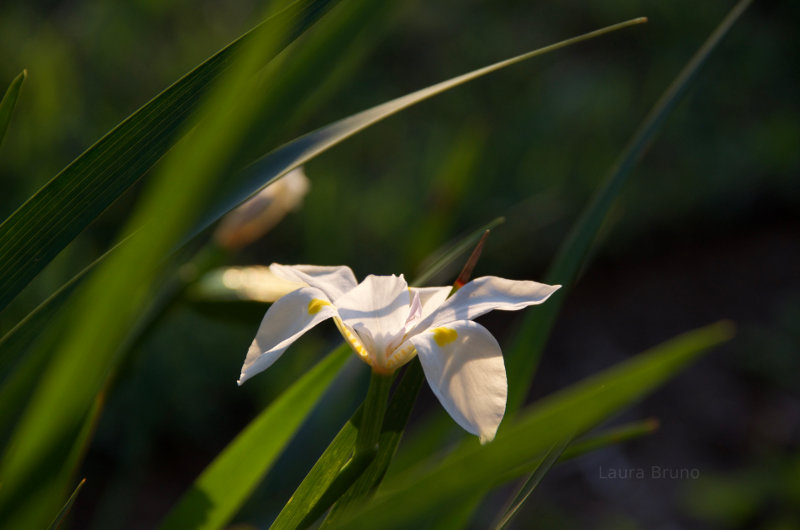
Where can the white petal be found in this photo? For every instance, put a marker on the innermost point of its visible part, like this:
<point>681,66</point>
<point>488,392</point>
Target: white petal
<point>285,321</point>
<point>414,310</point>
<point>381,305</point>
<point>333,281</point>
<point>488,293</point>
<point>464,367</point>
<point>431,298</point>
<point>256,282</point>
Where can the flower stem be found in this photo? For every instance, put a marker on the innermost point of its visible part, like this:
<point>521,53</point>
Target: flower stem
<point>374,409</point>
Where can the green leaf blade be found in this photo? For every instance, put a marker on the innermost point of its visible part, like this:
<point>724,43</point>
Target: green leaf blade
<point>228,481</point>
<point>394,426</point>
<point>99,323</point>
<point>9,101</point>
<point>39,229</point>
<point>562,415</point>
<point>574,252</point>
<point>280,161</point>
<point>62,515</point>
<point>320,477</point>
<point>531,483</point>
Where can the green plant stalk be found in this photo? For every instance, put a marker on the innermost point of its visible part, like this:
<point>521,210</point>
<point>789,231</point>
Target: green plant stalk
<point>374,410</point>
<point>394,424</point>
<point>346,477</point>
<point>311,498</point>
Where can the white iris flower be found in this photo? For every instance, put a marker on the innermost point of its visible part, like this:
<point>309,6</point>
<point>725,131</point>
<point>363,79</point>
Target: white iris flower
<point>387,323</point>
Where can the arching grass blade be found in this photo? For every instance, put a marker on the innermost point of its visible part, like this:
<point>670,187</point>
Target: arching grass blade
<point>573,253</point>
<point>9,101</point>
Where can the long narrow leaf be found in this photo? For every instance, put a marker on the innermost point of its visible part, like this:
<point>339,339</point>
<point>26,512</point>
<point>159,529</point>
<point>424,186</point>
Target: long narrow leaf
<point>297,152</point>
<point>9,101</point>
<point>610,436</point>
<point>459,514</point>
<point>562,415</point>
<point>573,253</point>
<point>106,307</point>
<point>533,481</point>
<point>320,477</point>
<point>229,480</point>
<point>35,233</point>
<point>62,514</point>
<point>18,339</point>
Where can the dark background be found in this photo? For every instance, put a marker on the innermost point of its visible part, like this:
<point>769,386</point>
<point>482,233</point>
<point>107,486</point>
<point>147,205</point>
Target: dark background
<point>706,228</point>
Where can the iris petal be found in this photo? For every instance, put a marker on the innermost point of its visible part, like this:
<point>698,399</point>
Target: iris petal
<point>287,319</point>
<point>333,281</point>
<point>464,367</point>
<point>485,294</point>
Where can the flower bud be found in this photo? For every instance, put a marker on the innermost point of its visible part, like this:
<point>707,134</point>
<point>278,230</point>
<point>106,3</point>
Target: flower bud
<point>264,210</point>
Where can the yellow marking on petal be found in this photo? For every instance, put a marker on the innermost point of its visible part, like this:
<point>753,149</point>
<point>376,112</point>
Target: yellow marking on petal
<point>353,341</point>
<point>316,305</point>
<point>400,357</point>
<point>444,336</point>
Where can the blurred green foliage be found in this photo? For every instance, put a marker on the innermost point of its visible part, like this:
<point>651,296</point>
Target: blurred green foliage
<point>531,144</point>
<point>548,129</point>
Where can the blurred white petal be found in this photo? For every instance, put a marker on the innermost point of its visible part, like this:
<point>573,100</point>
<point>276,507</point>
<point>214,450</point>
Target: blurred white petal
<point>256,283</point>
<point>263,211</point>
